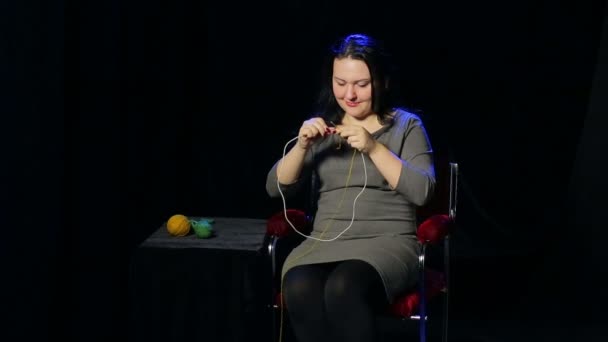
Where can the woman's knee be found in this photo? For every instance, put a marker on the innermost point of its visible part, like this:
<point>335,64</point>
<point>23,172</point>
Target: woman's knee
<point>301,283</point>
<point>351,282</point>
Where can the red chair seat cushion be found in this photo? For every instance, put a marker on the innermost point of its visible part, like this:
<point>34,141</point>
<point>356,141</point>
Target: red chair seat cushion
<point>279,301</point>
<point>278,226</point>
<point>434,229</point>
<point>407,305</point>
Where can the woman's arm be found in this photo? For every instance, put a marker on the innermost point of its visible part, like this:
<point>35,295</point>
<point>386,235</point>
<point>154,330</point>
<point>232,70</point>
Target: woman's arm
<point>387,163</point>
<point>411,171</point>
<point>417,178</point>
<point>287,171</point>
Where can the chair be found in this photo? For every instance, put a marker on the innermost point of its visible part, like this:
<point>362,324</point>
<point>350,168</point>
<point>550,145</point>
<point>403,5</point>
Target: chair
<point>436,219</point>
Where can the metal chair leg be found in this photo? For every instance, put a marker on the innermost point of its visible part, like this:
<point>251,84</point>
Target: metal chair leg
<point>446,261</point>
<point>272,245</point>
<point>422,290</point>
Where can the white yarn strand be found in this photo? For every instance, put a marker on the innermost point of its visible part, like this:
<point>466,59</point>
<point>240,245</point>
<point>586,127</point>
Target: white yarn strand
<point>285,204</point>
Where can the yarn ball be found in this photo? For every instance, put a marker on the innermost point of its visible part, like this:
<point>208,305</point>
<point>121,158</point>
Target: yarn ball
<point>178,225</point>
<point>202,229</point>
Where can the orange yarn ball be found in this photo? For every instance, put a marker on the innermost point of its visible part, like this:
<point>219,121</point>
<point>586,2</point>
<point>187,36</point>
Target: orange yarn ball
<point>178,225</point>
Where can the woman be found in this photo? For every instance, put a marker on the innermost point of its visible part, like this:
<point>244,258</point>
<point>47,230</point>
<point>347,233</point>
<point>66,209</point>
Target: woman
<point>373,165</point>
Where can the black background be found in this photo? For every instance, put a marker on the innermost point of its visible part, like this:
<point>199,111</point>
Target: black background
<point>118,114</point>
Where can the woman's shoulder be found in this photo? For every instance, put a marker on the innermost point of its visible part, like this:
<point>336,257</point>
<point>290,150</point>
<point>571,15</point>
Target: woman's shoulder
<point>404,118</point>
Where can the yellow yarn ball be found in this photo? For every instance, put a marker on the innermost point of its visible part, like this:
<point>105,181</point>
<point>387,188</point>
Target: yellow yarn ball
<point>178,225</point>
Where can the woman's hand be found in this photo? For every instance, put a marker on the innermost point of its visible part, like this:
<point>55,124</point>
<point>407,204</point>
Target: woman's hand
<point>311,130</point>
<point>357,137</point>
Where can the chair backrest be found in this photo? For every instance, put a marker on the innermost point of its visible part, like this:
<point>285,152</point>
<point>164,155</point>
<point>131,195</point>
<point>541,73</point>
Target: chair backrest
<point>444,198</point>
<point>453,190</point>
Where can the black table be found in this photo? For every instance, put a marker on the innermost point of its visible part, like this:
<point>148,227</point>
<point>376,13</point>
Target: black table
<point>191,289</point>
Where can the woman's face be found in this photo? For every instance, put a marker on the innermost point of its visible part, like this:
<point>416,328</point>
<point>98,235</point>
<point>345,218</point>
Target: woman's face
<point>352,87</point>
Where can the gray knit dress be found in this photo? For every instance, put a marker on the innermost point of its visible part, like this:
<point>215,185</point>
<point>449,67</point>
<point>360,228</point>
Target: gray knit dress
<point>383,231</point>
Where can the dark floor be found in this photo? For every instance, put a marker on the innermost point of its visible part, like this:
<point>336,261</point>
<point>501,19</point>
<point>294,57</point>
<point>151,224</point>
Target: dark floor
<point>496,295</point>
<point>518,328</point>
<point>508,297</point>
<point>495,330</point>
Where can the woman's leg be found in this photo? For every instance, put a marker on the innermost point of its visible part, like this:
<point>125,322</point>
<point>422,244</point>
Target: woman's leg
<point>303,290</point>
<point>353,293</point>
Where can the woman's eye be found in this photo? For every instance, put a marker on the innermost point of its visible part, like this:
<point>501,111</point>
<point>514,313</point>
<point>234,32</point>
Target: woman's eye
<point>363,84</point>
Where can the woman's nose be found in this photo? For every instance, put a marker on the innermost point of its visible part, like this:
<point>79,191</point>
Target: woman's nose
<point>350,92</point>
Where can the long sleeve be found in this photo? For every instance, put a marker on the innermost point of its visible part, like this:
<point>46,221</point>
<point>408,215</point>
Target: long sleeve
<point>417,180</point>
<point>288,190</point>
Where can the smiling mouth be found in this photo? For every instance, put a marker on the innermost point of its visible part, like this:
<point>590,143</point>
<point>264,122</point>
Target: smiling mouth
<point>351,104</point>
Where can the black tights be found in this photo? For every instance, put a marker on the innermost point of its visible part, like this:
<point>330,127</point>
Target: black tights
<point>334,302</point>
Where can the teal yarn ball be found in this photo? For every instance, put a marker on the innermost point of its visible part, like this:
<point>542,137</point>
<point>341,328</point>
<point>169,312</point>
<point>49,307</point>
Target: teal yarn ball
<point>202,228</point>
